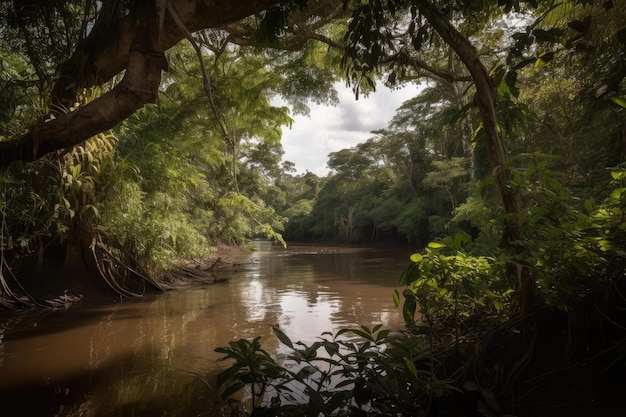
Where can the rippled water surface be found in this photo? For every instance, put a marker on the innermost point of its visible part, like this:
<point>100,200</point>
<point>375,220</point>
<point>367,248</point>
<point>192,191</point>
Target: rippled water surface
<point>154,357</point>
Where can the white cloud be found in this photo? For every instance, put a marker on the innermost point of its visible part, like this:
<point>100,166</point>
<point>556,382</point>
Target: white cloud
<point>330,129</point>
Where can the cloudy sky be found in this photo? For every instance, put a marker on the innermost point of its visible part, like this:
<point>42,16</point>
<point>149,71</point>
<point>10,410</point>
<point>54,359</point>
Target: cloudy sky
<point>329,129</point>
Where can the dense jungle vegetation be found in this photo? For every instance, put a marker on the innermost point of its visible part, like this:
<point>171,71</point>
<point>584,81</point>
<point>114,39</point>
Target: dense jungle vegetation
<point>507,171</point>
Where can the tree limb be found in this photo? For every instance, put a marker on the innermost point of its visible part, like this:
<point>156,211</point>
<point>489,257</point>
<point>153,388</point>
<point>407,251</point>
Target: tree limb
<point>421,66</point>
<point>138,87</point>
<point>243,34</point>
<point>134,43</point>
<point>105,52</point>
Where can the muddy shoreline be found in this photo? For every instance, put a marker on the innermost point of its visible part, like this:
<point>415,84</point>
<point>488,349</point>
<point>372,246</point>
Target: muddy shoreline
<point>213,269</point>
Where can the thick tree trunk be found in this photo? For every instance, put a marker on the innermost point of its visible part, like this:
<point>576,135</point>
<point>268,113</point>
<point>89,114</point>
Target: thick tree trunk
<point>485,99</point>
<point>134,43</point>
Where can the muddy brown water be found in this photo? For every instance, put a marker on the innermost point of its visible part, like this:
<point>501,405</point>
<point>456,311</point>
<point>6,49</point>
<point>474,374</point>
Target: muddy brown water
<point>155,356</point>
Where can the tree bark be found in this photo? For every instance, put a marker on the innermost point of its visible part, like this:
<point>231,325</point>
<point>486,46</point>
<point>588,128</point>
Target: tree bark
<point>485,99</point>
<point>105,52</point>
<point>134,43</point>
<point>138,87</point>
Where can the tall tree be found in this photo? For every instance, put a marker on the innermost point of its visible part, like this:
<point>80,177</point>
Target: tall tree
<point>423,20</point>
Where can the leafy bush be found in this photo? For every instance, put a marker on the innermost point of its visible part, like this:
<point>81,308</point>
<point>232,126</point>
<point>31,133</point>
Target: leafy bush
<point>357,372</point>
<point>453,296</point>
<point>575,250</point>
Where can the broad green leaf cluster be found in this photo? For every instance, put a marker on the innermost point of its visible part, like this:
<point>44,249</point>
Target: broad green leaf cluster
<point>364,371</point>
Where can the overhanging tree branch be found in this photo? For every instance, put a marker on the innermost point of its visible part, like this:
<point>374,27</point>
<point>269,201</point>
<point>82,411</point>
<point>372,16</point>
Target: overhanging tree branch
<point>243,34</point>
<point>134,43</point>
<point>423,68</point>
<point>128,43</point>
<point>105,52</point>
<point>138,87</point>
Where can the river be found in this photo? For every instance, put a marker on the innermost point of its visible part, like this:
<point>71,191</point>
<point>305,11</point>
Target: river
<point>155,356</point>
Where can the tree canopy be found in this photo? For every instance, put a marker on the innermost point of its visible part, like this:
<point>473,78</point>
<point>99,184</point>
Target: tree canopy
<point>114,37</point>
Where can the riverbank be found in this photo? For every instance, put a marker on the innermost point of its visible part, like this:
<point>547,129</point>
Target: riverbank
<point>213,269</point>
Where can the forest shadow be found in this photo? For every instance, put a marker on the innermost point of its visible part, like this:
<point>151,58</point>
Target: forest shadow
<point>114,389</point>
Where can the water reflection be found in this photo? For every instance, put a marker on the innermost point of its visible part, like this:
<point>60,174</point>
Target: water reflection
<point>141,357</point>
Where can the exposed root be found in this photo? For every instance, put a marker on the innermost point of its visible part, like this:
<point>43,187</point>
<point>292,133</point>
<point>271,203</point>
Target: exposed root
<point>107,276</point>
<point>11,300</point>
<point>119,270</point>
<point>113,270</point>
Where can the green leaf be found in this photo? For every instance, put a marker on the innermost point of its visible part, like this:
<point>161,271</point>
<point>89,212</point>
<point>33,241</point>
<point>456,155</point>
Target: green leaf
<point>382,335</point>
<point>436,245</point>
<point>460,239</point>
<point>306,372</point>
<point>620,101</point>
<point>284,339</point>
<point>76,169</point>
<point>416,258</point>
<point>344,383</point>
<point>618,175</point>
<point>616,194</point>
<point>315,399</point>
<point>410,275</point>
<point>363,334</point>
<point>332,348</point>
<point>342,331</point>
<point>408,309</point>
<point>396,298</point>
<point>411,367</point>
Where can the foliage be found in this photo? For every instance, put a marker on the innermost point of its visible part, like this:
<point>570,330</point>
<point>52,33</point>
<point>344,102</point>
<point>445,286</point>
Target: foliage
<point>401,183</point>
<point>361,371</point>
<point>575,249</point>
<point>450,289</point>
<point>39,36</point>
<point>390,187</point>
<point>455,303</point>
<point>59,195</point>
<point>253,366</point>
<point>480,221</point>
<point>174,178</point>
